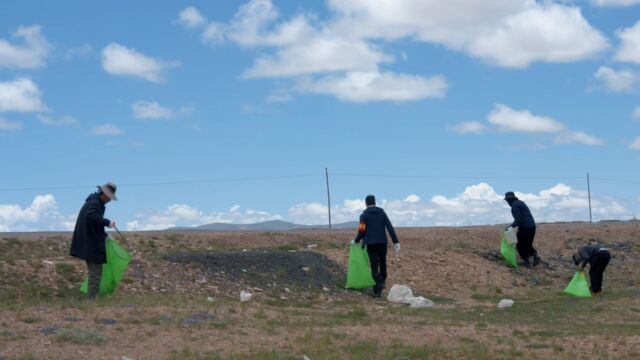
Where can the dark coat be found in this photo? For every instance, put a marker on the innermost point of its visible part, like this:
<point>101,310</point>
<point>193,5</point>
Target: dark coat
<point>89,237</point>
<point>373,222</point>
<point>521,215</point>
<point>588,253</point>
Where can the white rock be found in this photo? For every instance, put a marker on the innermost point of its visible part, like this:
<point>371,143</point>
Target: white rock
<point>421,302</point>
<point>305,357</point>
<point>505,303</point>
<point>209,299</point>
<point>245,296</point>
<point>49,264</point>
<point>311,246</point>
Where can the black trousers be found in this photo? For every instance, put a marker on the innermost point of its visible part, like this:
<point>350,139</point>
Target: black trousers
<point>378,258</point>
<point>525,242</point>
<point>599,262</point>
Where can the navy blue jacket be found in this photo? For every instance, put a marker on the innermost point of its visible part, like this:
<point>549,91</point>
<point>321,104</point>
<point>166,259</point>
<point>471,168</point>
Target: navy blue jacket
<point>373,222</point>
<point>521,215</point>
<point>588,252</point>
<point>89,237</point>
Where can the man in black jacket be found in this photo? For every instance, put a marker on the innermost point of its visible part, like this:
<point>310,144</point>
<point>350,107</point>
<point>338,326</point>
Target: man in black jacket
<point>373,223</point>
<point>525,227</point>
<point>597,256</point>
<point>89,237</point>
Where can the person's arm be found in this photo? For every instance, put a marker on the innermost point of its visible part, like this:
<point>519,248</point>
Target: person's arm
<point>390,229</point>
<point>517,215</point>
<point>93,215</point>
<point>585,256</point>
<point>362,229</point>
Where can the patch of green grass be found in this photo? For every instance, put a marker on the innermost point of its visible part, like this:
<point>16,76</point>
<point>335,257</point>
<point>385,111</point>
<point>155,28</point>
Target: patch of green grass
<point>67,271</point>
<point>81,337</point>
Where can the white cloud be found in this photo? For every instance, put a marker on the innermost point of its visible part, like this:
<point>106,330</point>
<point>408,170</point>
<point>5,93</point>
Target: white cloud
<point>636,113</point>
<point>543,33</point>
<point>503,32</point>
<point>191,18</point>
<point>120,60</point>
<point>477,204</point>
<point>6,125</point>
<point>635,145</point>
<point>57,120</point>
<point>629,50</point>
<point>510,120</point>
<point>571,137</point>
<point>21,95</point>
<point>319,55</point>
<point>107,130</point>
<point>619,3</point>
<point>153,110</point>
<point>30,55</point>
<point>41,214</point>
<point>469,127</point>
<point>374,86</point>
<point>617,80</point>
<point>185,215</point>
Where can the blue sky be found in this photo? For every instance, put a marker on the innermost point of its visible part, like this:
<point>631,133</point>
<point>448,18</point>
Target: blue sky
<point>436,110</point>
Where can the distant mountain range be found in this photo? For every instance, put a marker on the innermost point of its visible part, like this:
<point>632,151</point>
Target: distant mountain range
<point>274,225</point>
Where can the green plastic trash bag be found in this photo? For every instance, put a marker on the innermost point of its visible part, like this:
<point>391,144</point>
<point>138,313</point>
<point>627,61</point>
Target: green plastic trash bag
<point>578,286</point>
<point>112,272</point>
<point>508,251</point>
<point>359,270</point>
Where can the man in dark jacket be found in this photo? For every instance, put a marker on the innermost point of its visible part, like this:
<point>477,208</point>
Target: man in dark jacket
<point>525,227</point>
<point>597,256</point>
<point>371,230</point>
<point>89,237</point>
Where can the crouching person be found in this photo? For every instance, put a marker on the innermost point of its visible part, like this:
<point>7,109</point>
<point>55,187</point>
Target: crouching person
<point>371,231</point>
<point>597,256</point>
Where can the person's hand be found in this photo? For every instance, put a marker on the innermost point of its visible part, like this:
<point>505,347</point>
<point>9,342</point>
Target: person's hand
<point>396,247</point>
<point>112,224</point>
<point>353,241</point>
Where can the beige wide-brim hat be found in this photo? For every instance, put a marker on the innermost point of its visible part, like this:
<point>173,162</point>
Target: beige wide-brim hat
<point>109,189</point>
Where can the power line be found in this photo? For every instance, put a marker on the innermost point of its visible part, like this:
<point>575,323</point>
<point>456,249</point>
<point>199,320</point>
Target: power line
<point>184,182</point>
<point>434,177</point>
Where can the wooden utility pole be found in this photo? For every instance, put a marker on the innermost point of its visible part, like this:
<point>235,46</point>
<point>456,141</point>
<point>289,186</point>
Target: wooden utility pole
<point>326,172</point>
<point>589,190</point>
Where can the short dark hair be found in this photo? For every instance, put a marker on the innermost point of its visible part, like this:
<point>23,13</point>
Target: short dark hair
<point>370,200</point>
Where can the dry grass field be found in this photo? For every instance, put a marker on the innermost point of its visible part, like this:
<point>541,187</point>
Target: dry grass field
<point>180,298</point>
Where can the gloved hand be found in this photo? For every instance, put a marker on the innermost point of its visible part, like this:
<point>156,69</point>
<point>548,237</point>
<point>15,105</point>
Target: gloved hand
<point>353,241</point>
<point>396,247</point>
<point>112,224</point>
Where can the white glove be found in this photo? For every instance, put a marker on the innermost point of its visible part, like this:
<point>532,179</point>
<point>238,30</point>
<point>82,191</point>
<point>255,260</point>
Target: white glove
<point>353,241</point>
<point>112,224</point>
<point>396,247</point>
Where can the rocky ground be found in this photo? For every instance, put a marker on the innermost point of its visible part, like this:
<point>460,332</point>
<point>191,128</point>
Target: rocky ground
<point>180,298</point>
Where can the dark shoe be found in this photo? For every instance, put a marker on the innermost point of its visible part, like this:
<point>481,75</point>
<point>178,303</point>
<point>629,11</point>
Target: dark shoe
<point>527,264</point>
<point>536,260</point>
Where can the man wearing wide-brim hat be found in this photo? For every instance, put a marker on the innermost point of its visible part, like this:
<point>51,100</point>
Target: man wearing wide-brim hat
<point>89,237</point>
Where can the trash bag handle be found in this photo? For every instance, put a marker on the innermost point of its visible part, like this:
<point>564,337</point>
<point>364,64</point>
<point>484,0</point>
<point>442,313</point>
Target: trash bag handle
<point>119,233</point>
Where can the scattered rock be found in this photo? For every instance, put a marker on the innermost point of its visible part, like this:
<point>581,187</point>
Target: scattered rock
<point>209,299</point>
<point>198,318</point>
<point>48,330</point>
<point>49,265</point>
<point>312,246</point>
<point>105,321</point>
<point>306,269</point>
